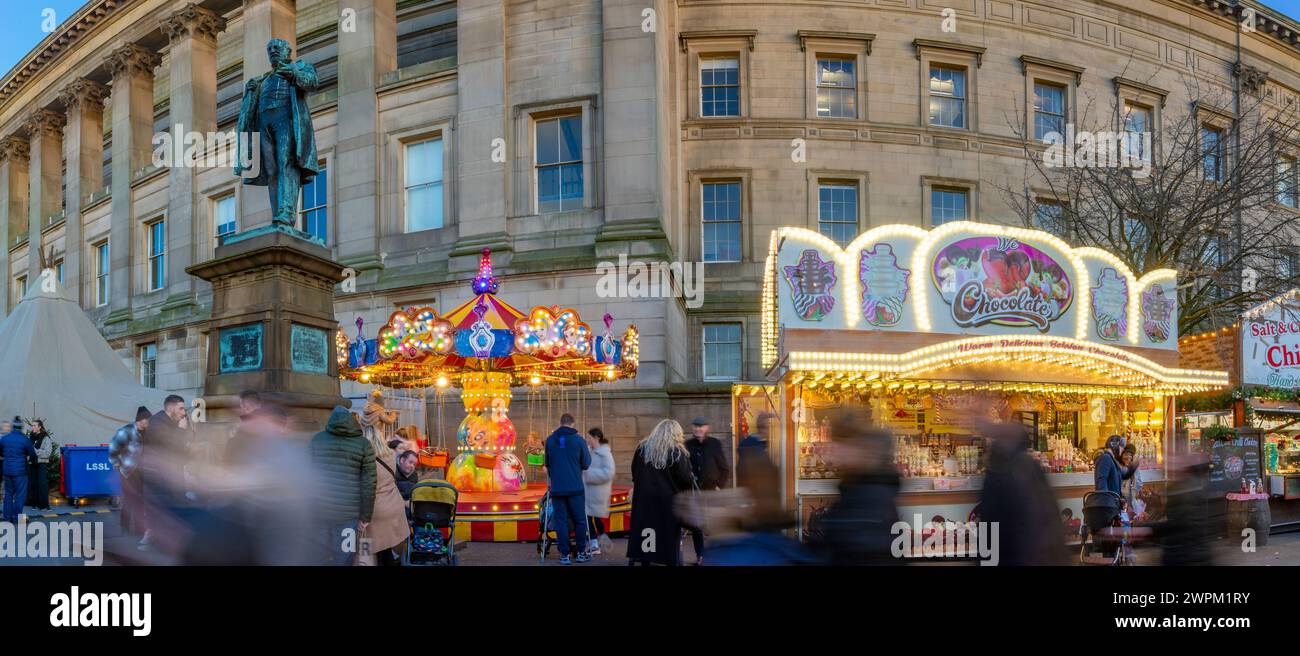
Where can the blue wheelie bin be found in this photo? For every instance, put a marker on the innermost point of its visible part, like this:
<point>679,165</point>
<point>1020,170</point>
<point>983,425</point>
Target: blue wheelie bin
<point>87,473</point>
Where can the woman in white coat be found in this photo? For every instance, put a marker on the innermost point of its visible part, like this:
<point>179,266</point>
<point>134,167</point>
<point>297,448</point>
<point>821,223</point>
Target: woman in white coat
<point>598,481</point>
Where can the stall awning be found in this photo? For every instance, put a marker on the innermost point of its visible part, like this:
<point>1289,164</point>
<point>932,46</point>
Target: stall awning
<point>1060,363</point>
<point>1275,407</point>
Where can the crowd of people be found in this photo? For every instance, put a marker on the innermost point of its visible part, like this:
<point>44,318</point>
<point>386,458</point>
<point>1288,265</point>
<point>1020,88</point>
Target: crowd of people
<point>26,461</point>
<point>256,503</point>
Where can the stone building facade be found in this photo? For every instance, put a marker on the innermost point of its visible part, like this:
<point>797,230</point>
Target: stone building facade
<point>562,134</point>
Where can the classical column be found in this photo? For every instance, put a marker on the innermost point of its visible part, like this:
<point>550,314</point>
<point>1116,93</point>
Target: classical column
<point>629,141</point>
<point>132,110</point>
<point>364,56</point>
<point>14,153</point>
<point>192,56</point>
<point>262,21</point>
<point>45,177</point>
<point>83,145</point>
<point>483,184</point>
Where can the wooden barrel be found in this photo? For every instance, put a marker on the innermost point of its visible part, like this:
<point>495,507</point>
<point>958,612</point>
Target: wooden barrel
<point>1252,514</point>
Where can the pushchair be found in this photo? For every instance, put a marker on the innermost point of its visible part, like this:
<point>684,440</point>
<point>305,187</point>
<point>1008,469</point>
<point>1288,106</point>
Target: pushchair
<point>433,524</point>
<point>546,537</point>
<point>1101,510</point>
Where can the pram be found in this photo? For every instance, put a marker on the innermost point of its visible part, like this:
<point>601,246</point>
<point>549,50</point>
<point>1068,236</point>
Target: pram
<point>1101,510</point>
<point>433,524</point>
<point>546,537</point>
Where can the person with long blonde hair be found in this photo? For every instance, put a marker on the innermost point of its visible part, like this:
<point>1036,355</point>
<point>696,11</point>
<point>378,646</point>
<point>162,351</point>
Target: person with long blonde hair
<point>661,469</point>
<point>388,528</point>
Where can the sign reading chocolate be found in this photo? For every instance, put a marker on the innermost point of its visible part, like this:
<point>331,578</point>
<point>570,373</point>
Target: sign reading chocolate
<point>1002,281</point>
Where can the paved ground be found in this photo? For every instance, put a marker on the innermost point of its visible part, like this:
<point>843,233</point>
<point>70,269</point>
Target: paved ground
<point>1283,549</point>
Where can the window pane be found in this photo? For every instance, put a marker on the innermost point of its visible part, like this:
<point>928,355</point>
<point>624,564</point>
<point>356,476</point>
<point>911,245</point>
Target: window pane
<point>720,87</point>
<point>225,216</point>
<point>947,97</point>
<point>1049,217</point>
<point>723,352</point>
<point>571,139</point>
<point>1049,110</point>
<point>837,212</point>
<point>548,142</point>
<point>424,207</point>
<point>423,162</point>
<point>947,205</point>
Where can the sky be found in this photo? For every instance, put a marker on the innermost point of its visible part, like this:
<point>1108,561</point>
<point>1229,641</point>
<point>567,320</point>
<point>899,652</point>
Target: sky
<point>22,23</point>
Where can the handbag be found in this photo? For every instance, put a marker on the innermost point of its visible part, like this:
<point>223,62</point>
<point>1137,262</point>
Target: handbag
<point>366,556</point>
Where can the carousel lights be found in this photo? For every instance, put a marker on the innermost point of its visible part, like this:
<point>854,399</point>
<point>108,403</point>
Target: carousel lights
<point>442,382</point>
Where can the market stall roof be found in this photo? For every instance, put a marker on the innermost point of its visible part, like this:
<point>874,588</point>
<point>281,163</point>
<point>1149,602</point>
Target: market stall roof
<point>1275,407</point>
<point>57,366</point>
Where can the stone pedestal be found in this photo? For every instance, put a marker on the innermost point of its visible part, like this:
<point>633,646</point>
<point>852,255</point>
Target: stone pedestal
<point>272,327</point>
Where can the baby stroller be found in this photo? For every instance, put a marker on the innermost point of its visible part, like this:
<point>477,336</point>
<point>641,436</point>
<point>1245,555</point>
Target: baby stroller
<point>433,524</point>
<point>546,537</point>
<point>1101,510</point>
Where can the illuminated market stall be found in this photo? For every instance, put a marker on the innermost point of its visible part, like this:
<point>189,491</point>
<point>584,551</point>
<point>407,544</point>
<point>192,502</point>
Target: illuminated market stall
<point>936,332</point>
<point>486,347</point>
<point>1257,423</point>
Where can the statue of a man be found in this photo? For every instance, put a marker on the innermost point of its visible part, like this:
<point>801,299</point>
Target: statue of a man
<point>275,108</point>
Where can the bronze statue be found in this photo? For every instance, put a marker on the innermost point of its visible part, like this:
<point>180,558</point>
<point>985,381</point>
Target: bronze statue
<point>275,108</point>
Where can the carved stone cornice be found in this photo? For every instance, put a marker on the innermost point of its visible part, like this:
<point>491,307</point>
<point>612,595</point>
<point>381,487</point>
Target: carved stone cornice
<point>45,122</point>
<point>1252,79</point>
<point>193,20</point>
<point>132,59</point>
<point>83,92</point>
<point>15,148</point>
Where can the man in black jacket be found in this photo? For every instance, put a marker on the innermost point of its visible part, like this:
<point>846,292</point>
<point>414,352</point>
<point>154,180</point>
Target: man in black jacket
<point>709,466</point>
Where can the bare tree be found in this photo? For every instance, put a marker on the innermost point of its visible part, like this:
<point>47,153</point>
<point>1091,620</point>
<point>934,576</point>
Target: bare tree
<point>1208,198</point>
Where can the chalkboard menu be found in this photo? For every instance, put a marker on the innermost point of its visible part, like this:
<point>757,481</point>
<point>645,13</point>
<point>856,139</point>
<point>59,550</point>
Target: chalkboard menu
<point>1234,460</point>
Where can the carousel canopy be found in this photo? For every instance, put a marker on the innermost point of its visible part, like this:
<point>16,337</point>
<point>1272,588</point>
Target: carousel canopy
<point>548,345</point>
<point>57,366</point>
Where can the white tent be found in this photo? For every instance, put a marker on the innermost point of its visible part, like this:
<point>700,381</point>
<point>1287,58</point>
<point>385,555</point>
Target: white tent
<point>54,363</point>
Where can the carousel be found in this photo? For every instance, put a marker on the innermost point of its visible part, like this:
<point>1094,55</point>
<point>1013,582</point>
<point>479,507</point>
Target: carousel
<point>486,348</point>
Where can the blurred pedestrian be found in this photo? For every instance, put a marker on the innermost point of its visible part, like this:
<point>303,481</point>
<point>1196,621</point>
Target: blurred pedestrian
<point>661,470</point>
<point>1184,535</point>
<point>1018,500</point>
<point>124,454</point>
<point>858,528</point>
<point>345,464</point>
<point>757,441</point>
<point>566,458</point>
<point>388,528</point>
<point>18,453</point>
<point>747,524</point>
<point>38,482</point>
<point>709,467</point>
<point>253,423</point>
<point>598,483</point>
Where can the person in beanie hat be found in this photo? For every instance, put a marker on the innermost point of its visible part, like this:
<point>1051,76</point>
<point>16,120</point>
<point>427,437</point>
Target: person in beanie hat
<point>709,467</point>
<point>124,454</point>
